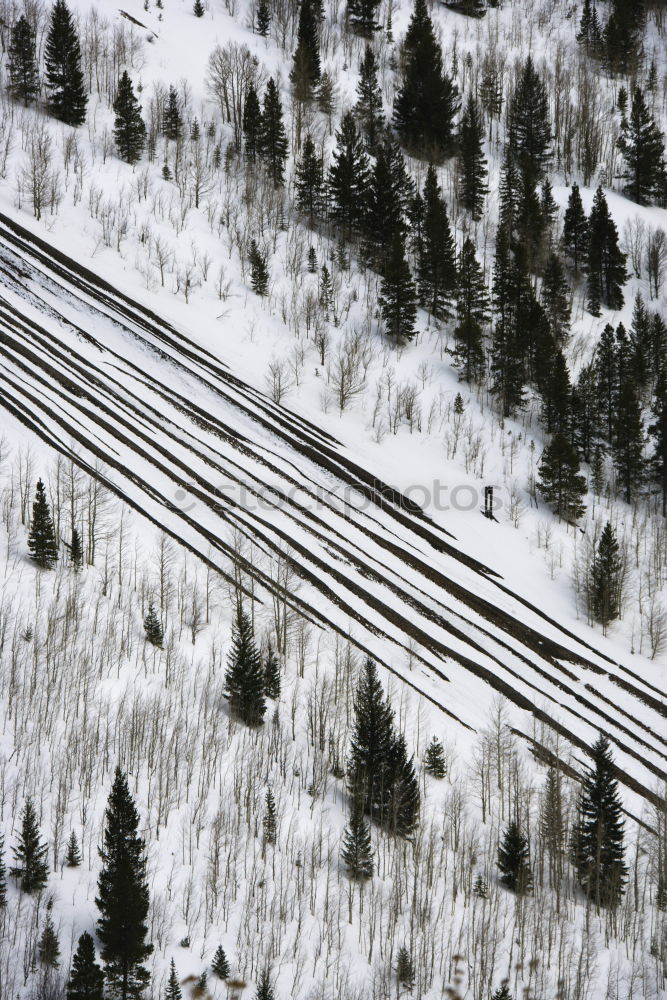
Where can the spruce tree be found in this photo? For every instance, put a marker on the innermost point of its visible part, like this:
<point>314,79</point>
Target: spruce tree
<point>48,947</point>
<point>272,674</point>
<point>597,843</point>
<point>30,856</point>
<point>273,143</point>
<point>605,261</point>
<point>252,124</point>
<point>349,178</point>
<point>129,129</point>
<point>306,70</point>
<point>64,80</point>
<point>270,821</point>
<point>198,8</point>
<point>86,980</point>
<point>357,851</point>
<point>556,389</point>
<point>23,73</point>
<point>153,627</point>
<point>481,887</point>
<point>172,121</point>
<point>606,572</point>
<point>435,762</point>
<point>555,298</point>
<point>389,195</point>
<point>472,304</point>
<point>575,229</point>
<point>42,543</point>
<point>405,970</point>
<point>529,127</point>
<point>76,550</point>
<point>3,874</point>
<point>259,272</point>
<point>436,256</point>
<point>643,147</point>
<point>368,111</point>
<point>309,181</point>
<point>264,988</point>
<point>371,745</point>
<point>472,162</point>
<point>590,33</point>
<point>622,34</point>
<point>628,441</point>
<point>244,679</point>
<point>404,798</point>
<point>605,366</point>
<point>72,852</point>
<point>398,295</point>
<point>560,481</point>
<point>220,964</point>
<point>503,992</point>
<point>173,990</point>
<point>122,898</point>
<point>263,18</point>
<point>427,99</point>
<point>362,16</point>
<point>552,824</point>
<point>514,861</point>
<point>658,431</point>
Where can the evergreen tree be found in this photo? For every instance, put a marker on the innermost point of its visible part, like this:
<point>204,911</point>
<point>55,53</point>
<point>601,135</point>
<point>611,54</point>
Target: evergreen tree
<point>362,16</point>
<point>173,990</point>
<point>555,298</point>
<point>628,442</point>
<point>220,965</point>
<point>605,261</point>
<point>398,295</point>
<point>64,80</point>
<point>72,852</point>
<point>641,340</point>
<point>575,229</point>
<point>86,980</point>
<point>658,431</point>
<point>622,34</point>
<point>153,627</point>
<point>273,144</point>
<point>357,852</point>
<point>435,762</point>
<point>122,898</point>
<point>368,111</point>
<point>371,745</point>
<point>3,874</point>
<point>309,182</point>
<point>514,861</point>
<point>48,947</point>
<point>585,412</point>
<point>436,258</point>
<point>30,856</point>
<point>529,127</point>
<point>560,481</point>
<point>472,304</point>
<point>306,70</point>
<point>198,8</point>
<point>263,18</point>
<point>606,571</point>
<point>252,124</point>
<point>481,888</point>
<point>349,178</point>
<point>597,844</point>
<point>172,121</point>
<point>259,272</point>
<point>129,129</point>
<point>405,970</point>
<point>556,390</point>
<point>264,988</point>
<point>590,33</point>
<point>272,674</point>
<point>552,825</point>
<point>643,147</point>
<point>605,364</point>
<point>502,993</point>
<point>390,193</point>
<point>23,73</point>
<point>472,162</point>
<point>76,550</point>
<point>244,679</point>
<point>512,294</point>
<point>403,798</point>
<point>42,543</point>
<point>427,99</point>
<point>270,821</point>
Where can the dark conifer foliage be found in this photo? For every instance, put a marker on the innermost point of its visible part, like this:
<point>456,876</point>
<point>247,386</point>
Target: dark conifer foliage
<point>252,124</point>
<point>42,543</point>
<point>362,16</point>
<point>514,860</point>
<point>556,390</point>
<point>622,34</point>
<point>643,147</point>
<point>64,80</point>
<point>605,364</point>
<point>309,181</point>
<point>628,441</point>
<point>76,550</point>
<point>405,969</point>
<point>597,842</point>
<point>560,481</point>
<point>273,145</point>
<point>173,990</point>
<point>220,964</point>
<point>398,294</point>
<point>306,70</point>
<point>390,194</point>
<point>23,73</point>
<point>472,161</point>
<point>244,679</point>
<point>436,253</point>
<point>590,32</point>
<point>606,578</point>
<point>349,178</point>
<point>357,851</point>
<point>555,298</point>
<point>529,127</point>
<point>259,272</point>
<point>30,855</point>
<point>472,303</point>
<point>575,230</point>
<point>264,988</point>
<point>658,432</point>
<point>48,947</point>
<point>172,121</point>
<point>122,898</point>
<point>72,852</point>
<point>153,627</point>
<point>404,797</point>
<point>272,674</point>
<point>198,8</point>
<point>480,887</point>
<point>263,18</point>
<point>427,100</point>
<point>435,762</point>
<point>605,260</point>
<point>86,980</point>
<point>368,111</point>
<point>502,993</point>
<point>129,128</point>
<point>270,821</point>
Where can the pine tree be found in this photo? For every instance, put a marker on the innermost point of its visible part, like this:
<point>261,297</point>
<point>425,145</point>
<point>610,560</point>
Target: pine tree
<point>76,550</point>
<point>86,980</point>
<point>590,34</point>
<point>23,73</point>
<point>309,181</point>
<point>348,178</point>
<point>529,127</point>
<point>552,825</point>
<point>259,272</point>
<point>244,679</point>
<point>427,99</point>
<point>357,851</point>
<point>435,762</point>
<point>606,572</point>
<point>64,80</point>
<point>555,298</point>
<point>173,990</point>
<point>362,16</point>
<point>368,110</point>
<point>502,993</point>
<point>575,229</point>
<point>605,261</point>
<point>48,947</point>
<point>172,121</point>
<point>198,8</point>
<point>42,543</point>
<point>658,431</point>
<point>263,18</point>
<point>472,303</point>
<point>272,674</point>
<point>273,144</point>
<point>514,861</point>
<point>270,821</point>
<point>72,852</point>
<point>306,70</point>
<point>390,193</point>
<point>404,798</point>
<point>622,34</point>
<point>398,295</point>
<point>153,627</point>
<point>264,988</point>
<point>3,874</point>
<point>628,441</point>
<point>371,745</point>
<point>605,364</point>
<point>129,129</point>
<point>436,257</point>
<point>252,124</point>
<point>30,856</point>
<point>220,965</point>
<point>560,481</point>
<point>472,162</point>
<point>556,389</point>
<point>641,339</point>
<point>312,260</point>
<point>481,888</point>
<point>405,970</point>
<point>643,147</point>
<point>597,843</point>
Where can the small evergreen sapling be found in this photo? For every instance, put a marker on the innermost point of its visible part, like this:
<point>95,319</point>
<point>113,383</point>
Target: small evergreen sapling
<point>357,852</point>
<point>606,577</point>
<point>153,627</point>
<point>435,763</point>
<point>514,861</point>
<point>263,18</point>
<point>259,272</point>
<point>42,535</point>
<point>272,674</point>
<point>173,990</point>
<point>48,947</point>
<point>72,853</point>
<point>264,987</point>
<point>502,993</point>
<point>481,887</point>
<point>405,970</point>
<point>220,964</point>
<point>86,979</point>
<point>198,8</point>
<point>31,867</point>
<point>270,821</point>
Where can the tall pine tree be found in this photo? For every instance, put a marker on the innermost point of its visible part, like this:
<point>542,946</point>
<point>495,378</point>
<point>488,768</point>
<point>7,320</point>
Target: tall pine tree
<point>244,680</point>
<point>23,75</point>
<point>86,980</point>
<point>398,294</point>
<point>605,261</point>
<point>472,162</point>
<point>643,147</point>
<point>436,256</point>
<point>272,144</point>
<point>349,178</point>
<point>606,578</point>
<point>30,855</point>
<point>560,481</point>
<point>129,129</point>
<point>42,535</point>
<point>64,80</point>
